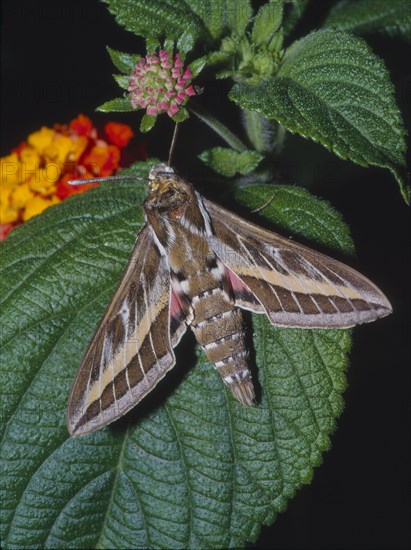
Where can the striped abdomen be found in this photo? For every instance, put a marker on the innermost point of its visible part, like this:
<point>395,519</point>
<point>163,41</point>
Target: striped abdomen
<point>218,327</point>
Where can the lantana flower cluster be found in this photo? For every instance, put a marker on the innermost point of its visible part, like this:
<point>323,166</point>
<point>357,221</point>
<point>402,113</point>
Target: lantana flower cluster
<point>160,84</point>
<point>36,174</point>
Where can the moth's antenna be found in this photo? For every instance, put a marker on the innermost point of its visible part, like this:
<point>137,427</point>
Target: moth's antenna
<point>173,143</point>
<point>109,178</point>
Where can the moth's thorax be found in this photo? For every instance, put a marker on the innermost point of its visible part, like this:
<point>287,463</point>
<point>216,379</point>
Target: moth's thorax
<point>175,214</point>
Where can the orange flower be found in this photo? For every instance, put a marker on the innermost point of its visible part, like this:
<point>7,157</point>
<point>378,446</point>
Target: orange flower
<point>118,134</point>
<point>102,160</point>
<point>36,174</point>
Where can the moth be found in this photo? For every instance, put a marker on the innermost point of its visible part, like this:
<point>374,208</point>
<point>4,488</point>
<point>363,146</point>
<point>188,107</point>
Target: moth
<point>197,265</point>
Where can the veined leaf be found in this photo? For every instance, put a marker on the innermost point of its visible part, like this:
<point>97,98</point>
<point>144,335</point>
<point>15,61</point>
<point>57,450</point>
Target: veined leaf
<point>122,80</point>
<point>391,18</point>
<point>118,105</point>
<point>181,115</point>
<point>267,22</point>
<point>124,62</point>
<point>188,468</point>
<point>333,89</point>
<point>222,15</point>
<point>228,162</point>
<point>147,123</point>
<point>173,19</point>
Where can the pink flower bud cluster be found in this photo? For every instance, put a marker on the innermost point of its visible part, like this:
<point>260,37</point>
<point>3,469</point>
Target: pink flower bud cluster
<point>159,83</point>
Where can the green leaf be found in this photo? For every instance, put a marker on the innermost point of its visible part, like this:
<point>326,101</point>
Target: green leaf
<point>181,115</point>
<point>229,162</point>
<point>158,19</point>
<point>118,105</point>
<point>152,44</point>
<point>222,15</point>
<point>147,123</point>
<point>122,80</point>
<point>190,467</point>
<point>391,18</point>
<point>198,65</point>
<point>267,22</point>
<point>169,44</point>
<point>333,89</point>
<point>124,62</point>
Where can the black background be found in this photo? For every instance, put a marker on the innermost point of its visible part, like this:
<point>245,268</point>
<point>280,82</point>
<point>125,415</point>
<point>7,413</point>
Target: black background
<point>54,66</point>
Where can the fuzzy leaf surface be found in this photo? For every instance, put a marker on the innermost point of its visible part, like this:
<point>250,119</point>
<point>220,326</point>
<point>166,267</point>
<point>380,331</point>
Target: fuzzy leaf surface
<point>391,18</point>
<point>160,19</point>
<point>124,62</point>
<point>220,16</point>
<point>189,467</point>
<point>267,22</point>
<point>333,89</point>
<point>118,105</point>
<point>228,162</point>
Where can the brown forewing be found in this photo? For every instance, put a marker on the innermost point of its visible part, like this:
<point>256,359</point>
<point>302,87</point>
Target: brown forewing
<point>132,347</point>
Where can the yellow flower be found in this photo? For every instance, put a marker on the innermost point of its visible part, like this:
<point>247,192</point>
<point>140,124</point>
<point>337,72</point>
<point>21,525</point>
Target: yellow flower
<point>36,205</point>
<point>8,213</point>
<point>78,146</point>
<point>10,170</point>
<point>43,184</point>
<point>21,195</point>
<point>35,176</point>
<point>30,160</point>
<point>64,148</point>
<point>41,139</point>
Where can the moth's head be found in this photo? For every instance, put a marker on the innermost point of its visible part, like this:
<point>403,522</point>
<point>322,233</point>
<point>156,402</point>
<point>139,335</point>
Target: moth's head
<point>157,173</point>
<point>167,190</point>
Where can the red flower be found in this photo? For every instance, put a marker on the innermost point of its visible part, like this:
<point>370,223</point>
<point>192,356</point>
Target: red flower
<point>118,134</point>
<point>5,229</point>
<point>81,125</point>
<point>64,189</point>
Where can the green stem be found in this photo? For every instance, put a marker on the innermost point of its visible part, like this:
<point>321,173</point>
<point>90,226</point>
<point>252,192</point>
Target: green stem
<point>281,133</point>
<point>258,131</point>
<point>227,135</point>
<point>255,131</point>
